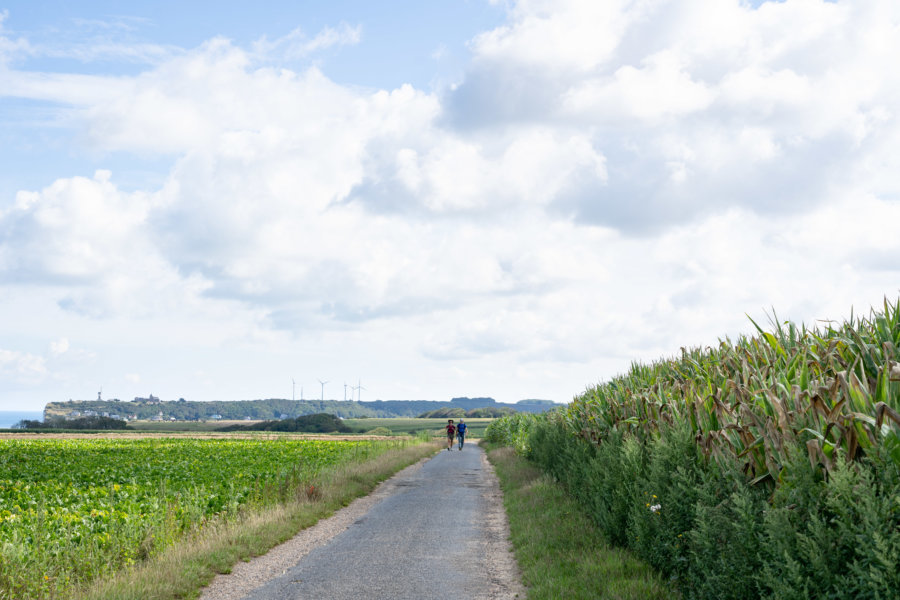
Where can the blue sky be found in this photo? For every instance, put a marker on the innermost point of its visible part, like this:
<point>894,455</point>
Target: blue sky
<point>514,199</point>
<point>423,44</point>
<point>398,41</point>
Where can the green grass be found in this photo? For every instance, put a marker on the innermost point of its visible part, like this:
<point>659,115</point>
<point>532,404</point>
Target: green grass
<point>401,426</point>
<point>559,550</point>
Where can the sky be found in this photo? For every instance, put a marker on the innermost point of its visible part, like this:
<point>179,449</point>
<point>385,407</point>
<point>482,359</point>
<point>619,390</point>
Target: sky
<point>514,199</point>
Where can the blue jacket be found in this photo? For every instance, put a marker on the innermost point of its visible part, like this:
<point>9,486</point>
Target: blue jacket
<point>461,429</point>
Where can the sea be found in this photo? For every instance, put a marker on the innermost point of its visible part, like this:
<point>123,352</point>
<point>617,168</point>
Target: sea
<point>8,418</point>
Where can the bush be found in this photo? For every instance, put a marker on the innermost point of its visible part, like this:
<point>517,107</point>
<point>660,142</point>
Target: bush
<point>89,423</point>
<point>380,431</point>
<point>453,412</point>
<point>317,423</point>
<point>511,431</point>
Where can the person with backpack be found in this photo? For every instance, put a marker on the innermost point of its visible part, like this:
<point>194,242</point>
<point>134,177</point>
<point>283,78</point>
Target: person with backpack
<point>461,433</point>
<point>451,431</point>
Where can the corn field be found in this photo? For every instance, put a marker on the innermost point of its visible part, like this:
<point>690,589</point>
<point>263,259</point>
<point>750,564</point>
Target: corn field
<point>834,391</point>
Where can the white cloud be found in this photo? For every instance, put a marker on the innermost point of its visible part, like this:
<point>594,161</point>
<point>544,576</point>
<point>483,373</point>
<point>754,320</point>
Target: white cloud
<point>86,40</point>
<point>610,181</point>
<point>694,103</point>
<point>11,48</point>
<point>297,45</point>
<point>22,367</point>
<point>660,88</point>
<point>60,346</point>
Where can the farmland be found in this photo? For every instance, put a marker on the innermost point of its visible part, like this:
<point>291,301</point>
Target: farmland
<point>765,467</point>
<point>433,426</point>
<point>73,510</point>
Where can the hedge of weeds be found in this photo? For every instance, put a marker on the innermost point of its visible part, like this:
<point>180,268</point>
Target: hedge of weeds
<point>716,536</point>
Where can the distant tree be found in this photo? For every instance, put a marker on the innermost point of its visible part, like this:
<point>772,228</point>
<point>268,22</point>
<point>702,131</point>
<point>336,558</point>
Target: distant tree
<point>95,423</point>
<point>445,413</point>
<point>490,412</point>
<point>316,423</point>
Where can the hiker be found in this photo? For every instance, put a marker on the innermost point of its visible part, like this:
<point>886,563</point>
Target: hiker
<point>461,433</point>
<point>451,431</point>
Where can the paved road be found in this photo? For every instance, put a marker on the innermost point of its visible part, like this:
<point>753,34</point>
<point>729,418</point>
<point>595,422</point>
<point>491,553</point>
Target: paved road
<point>439,535</point>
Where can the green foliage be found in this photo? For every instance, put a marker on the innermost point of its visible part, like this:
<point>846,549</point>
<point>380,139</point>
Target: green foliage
<point>511,431</point>
<point>444,413</point>
<point>854,514</point>
<point>84,423</point>
<point>75,510</point>
<point>828,393</point>
<point>716,535</point>
<point>561,553</point>
<point>318,423</point>
<point>490,412</point>
<point>380,431</point>
<point>487,412</point>
<point>427,428</point>
<point>766,468</point>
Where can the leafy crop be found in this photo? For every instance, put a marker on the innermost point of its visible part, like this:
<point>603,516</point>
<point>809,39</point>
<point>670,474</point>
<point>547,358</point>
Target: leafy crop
<point>72,510</point>
<point>832,393</point>
<point>768,467</point>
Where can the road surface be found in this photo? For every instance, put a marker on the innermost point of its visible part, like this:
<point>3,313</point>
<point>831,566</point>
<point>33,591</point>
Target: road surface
<point>437,531</point>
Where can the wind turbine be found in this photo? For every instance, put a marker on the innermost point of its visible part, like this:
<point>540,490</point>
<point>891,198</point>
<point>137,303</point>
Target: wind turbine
<point>323,389</point>
<point>358,389</point>
<point>293,388</point>
<point>345,391</point>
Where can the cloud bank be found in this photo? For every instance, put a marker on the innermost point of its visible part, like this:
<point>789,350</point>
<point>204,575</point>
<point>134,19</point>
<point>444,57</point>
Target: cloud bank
<point>608,182</point>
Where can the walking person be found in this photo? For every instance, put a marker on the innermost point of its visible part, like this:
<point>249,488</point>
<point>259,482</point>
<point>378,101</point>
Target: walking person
<point>451,432</point>
<point>461,433</point>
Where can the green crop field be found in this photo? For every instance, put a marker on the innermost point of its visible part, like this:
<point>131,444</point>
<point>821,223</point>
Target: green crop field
<point>72,510</point>
<point>400,426</point>
<point>191,426</point>
<point>767,467</point>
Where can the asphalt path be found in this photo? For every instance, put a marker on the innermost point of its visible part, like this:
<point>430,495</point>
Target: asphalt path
<point>437,535</point>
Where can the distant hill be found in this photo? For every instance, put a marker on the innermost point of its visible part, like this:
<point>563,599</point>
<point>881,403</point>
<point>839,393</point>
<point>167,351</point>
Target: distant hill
<point>270,409</point>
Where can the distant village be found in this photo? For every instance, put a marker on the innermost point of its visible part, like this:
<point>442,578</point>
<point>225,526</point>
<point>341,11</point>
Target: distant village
<point>151,399</point>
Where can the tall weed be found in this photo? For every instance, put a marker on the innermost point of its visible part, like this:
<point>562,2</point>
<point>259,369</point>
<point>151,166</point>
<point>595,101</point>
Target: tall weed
<point>716,536</point>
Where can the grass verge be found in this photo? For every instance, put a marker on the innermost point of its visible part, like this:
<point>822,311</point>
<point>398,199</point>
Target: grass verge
<point>183,569</point>
<point>559,550</point>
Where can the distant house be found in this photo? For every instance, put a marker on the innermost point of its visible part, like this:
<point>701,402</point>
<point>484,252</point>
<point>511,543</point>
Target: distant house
<point>216,417</point>
<point>151,400</point>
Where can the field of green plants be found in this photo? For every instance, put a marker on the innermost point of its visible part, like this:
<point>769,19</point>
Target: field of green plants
<point>768,467</point>
<point>411,426</point>
<point>72,510</point>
